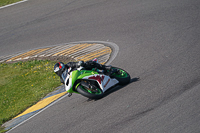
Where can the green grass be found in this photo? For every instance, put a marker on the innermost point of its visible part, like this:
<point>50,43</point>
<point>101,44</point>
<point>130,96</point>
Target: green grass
<point>23,84</point>
<point>6,2</point>
<point>2,130</point>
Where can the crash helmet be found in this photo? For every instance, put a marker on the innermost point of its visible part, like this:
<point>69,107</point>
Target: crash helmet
<point>59,68</point>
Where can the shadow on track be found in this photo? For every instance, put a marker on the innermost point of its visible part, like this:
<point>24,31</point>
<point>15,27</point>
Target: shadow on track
<point>115,88</point>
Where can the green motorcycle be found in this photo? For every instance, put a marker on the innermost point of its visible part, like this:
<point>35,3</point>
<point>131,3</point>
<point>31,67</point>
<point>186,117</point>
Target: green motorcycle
<point>93,83</point>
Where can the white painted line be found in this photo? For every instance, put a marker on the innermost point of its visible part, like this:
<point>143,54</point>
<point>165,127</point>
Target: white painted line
<point>13,4</point>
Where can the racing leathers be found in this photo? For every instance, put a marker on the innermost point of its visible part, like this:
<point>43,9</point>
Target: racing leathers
<point>89,65</point>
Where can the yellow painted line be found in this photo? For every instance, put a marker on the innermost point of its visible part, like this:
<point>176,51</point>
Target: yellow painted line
<point>103,63</point>
<point>95,54</point>
<point>78,49</point>
<point>73,49</point>
<point>63,51</point>
<point>41,104</point>
<point>19,56</point>
<point>37,51</point>
<point>29,53</point>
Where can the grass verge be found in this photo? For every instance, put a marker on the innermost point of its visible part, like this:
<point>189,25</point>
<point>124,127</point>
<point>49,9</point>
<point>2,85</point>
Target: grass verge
<point>22,84</point>
<point>6,2</point>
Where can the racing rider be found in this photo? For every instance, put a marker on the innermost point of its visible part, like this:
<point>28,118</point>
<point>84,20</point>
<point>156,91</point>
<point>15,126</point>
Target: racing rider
<point>60,68</point>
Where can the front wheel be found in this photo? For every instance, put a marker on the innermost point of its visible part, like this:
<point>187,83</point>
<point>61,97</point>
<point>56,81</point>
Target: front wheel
<point>121,75</point>
<point>91,91</point>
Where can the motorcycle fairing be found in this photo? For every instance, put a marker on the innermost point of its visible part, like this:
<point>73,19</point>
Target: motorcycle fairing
<point>77,74</point>
<point>104,81</point>
<point>69,81</point>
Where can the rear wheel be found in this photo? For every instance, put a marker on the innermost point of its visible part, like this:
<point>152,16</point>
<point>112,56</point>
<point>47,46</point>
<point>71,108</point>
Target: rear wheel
<point>121,75</point>
<point>92,91</point>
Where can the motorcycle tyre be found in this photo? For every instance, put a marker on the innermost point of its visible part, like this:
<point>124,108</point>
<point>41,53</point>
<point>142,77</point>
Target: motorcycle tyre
<point>89,95</point>
<point>122,80</point>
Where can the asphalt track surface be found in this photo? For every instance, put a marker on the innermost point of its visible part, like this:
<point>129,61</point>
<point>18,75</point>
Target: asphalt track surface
<point>158,41</point>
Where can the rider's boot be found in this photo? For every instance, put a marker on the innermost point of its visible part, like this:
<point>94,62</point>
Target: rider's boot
<point>110,70</point>
<point>107,69</point>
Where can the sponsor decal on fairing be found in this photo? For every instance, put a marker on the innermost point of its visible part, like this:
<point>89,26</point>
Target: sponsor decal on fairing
<point>105,82</point>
